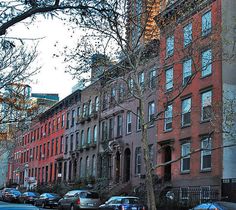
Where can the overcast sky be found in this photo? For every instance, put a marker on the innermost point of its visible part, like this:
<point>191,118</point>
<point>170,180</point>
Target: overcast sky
<point>52,78</point>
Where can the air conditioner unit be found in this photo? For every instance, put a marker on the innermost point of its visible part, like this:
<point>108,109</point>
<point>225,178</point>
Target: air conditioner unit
<point>42,156</point>
<point>31,156</point>
<point>44,134</point>
<point>32,138</point>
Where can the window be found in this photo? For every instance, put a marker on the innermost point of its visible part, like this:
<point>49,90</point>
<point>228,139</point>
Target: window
<point>169,79</point>
<point>187,71</point>
<point>138,160</point>
<point>95,134</point>
<point>185,160</point>
<point>78,112</point>
<point>105,100</point>
<point>131,85</point>
<point>187,34</point>
<point>152,78</point>
<point>90,107</point>
<point>121,92</point>
<point>206,105</point>
<point>138,121</point>
<point>71,143</point>
<point>151,112</point>
<point>141,80</point>
<point>169,46</point>
<point>206,23</point>
<point>206,63</point>
<point>67,120</point>
<point>88,135</point>
<point>206,154</point>
<point>104,130</point>
<point>77,139</point>
<point>119,125</point>
<point>73,118</point>
<point>82,138</point>
<point>80,168</point>
<point>96,103</point>
<point>113,95</point>
<point>66,145</point>
<point>62,120</point>
<point>56,148</point>
<point>111,128</point>
<point>61,144</point>
<point>168,118</point>
<point>52,147</point>
<point>186,112</point>
<point>84,110</point>
<point>128,122</point>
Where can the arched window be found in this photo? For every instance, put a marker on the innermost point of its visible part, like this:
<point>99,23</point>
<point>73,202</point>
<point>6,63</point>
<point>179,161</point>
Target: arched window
<point>95,134</point>
<point>82,138</point>
<point>89,136</point>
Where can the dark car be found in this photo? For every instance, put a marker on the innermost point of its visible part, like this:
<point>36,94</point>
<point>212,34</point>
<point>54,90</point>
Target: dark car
<point>124,203</point>
<point>47,200</point>
<point>12,196</point>
<point>219,205</point>
<point>28,197</point>
<point>17,207</point>
<point>79,199</point>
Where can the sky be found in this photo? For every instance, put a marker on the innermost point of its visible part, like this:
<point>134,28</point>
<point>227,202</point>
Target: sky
<point>52,77</point>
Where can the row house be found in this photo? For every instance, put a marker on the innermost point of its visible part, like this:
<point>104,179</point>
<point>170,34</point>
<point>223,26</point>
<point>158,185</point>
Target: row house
<point>195,70</point>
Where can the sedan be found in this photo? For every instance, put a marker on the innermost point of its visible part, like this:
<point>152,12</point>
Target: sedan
<point>28,197</point>
<point>219,205</point>
<point>79,199</point>
<point>47,199</point>
<point>12,196</point>
<point>124,203</point>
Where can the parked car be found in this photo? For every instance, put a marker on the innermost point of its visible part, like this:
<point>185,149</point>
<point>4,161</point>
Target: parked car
<point>17,207</point>
<point>219,205</point>
<point>79,199</point>
<point>12,196</point>
<point>123,203</point>
<point>47,199</point>
<point>0,195</point>
<point>28,197</point>
<point>5,191</point>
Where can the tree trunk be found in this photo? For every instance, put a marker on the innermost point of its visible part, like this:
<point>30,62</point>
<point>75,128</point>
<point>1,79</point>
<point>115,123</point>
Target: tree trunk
<point>151,202</point>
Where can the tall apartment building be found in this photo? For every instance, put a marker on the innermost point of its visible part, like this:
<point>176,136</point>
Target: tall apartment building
<point>197,59</point>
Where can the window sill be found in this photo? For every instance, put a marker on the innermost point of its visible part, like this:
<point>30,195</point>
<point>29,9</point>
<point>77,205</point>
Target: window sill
<point>169,130</point>
<point>185,126</point>
<point>169,90</point>
<point>138,130</point>
<point>151,126</point>
<point>205,170</point>
<point>205,121</point>
<point>184,172</point>
<point>205,76</point>
<point>127,134</point>
<point>169,56</point>
<point>206,33</point>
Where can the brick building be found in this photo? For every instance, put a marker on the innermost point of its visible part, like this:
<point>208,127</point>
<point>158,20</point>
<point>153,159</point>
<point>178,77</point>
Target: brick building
<point>196,71</point>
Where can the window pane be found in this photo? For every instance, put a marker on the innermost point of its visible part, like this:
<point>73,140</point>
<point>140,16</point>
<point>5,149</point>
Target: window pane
<point>169,79</point>
<point>187,71</point>
<point>187,34</point>
<point>206,62</point>
<point>169,46</point>
<point>168,118</point>
<point>206,23</point>
<point>206,105</point>
<point>206,153</point>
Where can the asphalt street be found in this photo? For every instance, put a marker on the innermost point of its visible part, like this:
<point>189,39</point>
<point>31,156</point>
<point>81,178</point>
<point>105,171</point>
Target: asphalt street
<point>1,202</point>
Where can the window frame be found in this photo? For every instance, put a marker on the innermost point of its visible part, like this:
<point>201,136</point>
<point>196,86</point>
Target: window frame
<point>207,104</point>
<point>188,31</point>
<point>204,153</point>
<point>206,30</point>
<point>169,83</point>
<point>206,67</point>
<point>185,157</point>
<point>170,45</point>
<point>186,112</point>
<point>168,117</point>
<point>128,122</point>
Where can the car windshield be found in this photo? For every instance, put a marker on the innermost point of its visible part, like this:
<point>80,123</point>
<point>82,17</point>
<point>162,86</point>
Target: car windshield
<point>228,205</point>
<point>15,192</point>
<point>89,195</point>
<point>71,193</point>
